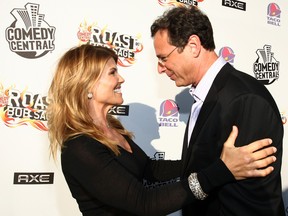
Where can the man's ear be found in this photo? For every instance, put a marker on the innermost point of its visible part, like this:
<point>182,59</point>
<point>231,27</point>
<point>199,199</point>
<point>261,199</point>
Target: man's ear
<point>194,44</point>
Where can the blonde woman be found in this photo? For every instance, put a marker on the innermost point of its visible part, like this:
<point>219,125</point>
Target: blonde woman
<point>103,167</point>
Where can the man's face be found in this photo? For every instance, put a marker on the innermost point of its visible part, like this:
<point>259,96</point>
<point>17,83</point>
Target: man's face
<point>171,61</point>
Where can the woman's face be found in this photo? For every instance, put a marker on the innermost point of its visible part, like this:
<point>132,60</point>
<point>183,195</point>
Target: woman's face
<point>107,89</point>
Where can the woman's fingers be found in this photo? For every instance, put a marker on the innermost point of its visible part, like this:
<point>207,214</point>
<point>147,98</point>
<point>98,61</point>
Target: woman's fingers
<point>260,172</point>
<point>232,137</point>
<point>257,155</point>
<point>259,168</point>
<point>259,144</point>
<point>252,160</point>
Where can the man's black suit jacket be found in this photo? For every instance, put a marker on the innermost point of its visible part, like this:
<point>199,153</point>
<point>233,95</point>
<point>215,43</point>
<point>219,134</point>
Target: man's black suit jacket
<point>236,98</point>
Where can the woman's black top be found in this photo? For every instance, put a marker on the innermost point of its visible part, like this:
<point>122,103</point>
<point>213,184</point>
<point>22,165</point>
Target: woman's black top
<point>105,184</point>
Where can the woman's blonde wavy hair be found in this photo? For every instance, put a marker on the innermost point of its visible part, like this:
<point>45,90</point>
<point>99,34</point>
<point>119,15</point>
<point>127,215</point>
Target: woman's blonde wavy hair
<point>67,111</point>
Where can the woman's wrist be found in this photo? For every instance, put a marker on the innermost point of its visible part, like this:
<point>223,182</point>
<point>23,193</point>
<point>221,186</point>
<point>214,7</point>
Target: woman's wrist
<point>195,187</point>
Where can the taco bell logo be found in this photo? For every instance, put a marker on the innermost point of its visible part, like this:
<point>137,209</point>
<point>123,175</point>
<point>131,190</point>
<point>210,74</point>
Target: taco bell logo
<point>273,14</point>
<point>227,54</point>
<point>169,114</point>
<point>30,36</point>
<point>266,67</point>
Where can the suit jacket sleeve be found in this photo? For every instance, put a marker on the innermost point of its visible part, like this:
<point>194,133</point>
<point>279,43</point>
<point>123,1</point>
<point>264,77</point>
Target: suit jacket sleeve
<point>256,118</point>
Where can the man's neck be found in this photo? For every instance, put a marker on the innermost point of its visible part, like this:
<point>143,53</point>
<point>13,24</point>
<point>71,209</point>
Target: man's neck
<point>207,59</point>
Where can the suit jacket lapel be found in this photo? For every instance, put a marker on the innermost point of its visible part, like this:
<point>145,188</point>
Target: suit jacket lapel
<point>185,148</point>
<point>206,110</point>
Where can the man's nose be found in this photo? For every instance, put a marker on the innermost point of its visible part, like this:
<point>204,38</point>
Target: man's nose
<point>161,69</point>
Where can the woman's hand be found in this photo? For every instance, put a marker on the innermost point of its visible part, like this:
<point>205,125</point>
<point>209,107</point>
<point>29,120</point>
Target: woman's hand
<point>248,161</point>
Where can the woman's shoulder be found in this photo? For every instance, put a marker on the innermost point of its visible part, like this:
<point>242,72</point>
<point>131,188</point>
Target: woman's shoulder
<point>82,142</point>
<point>84,152</point>
<point>79,138</point>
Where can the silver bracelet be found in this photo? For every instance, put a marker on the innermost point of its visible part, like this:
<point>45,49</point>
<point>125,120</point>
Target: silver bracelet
<point>195,187</point>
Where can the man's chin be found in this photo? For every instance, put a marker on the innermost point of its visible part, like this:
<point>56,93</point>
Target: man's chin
<point>180,84</point>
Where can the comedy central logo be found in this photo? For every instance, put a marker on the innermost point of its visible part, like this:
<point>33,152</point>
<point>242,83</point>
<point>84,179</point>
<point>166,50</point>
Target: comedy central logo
<point>169,114</point>
<point>30,36</point>
<point>273,14</point>
<point>179,3</point>
<point>125,46</point>
<point>266,67</point>
<point>22,108</point>
<point>227,54</point>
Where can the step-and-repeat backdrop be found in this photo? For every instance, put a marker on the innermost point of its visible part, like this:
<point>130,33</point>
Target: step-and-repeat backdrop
<point>251,35</point>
